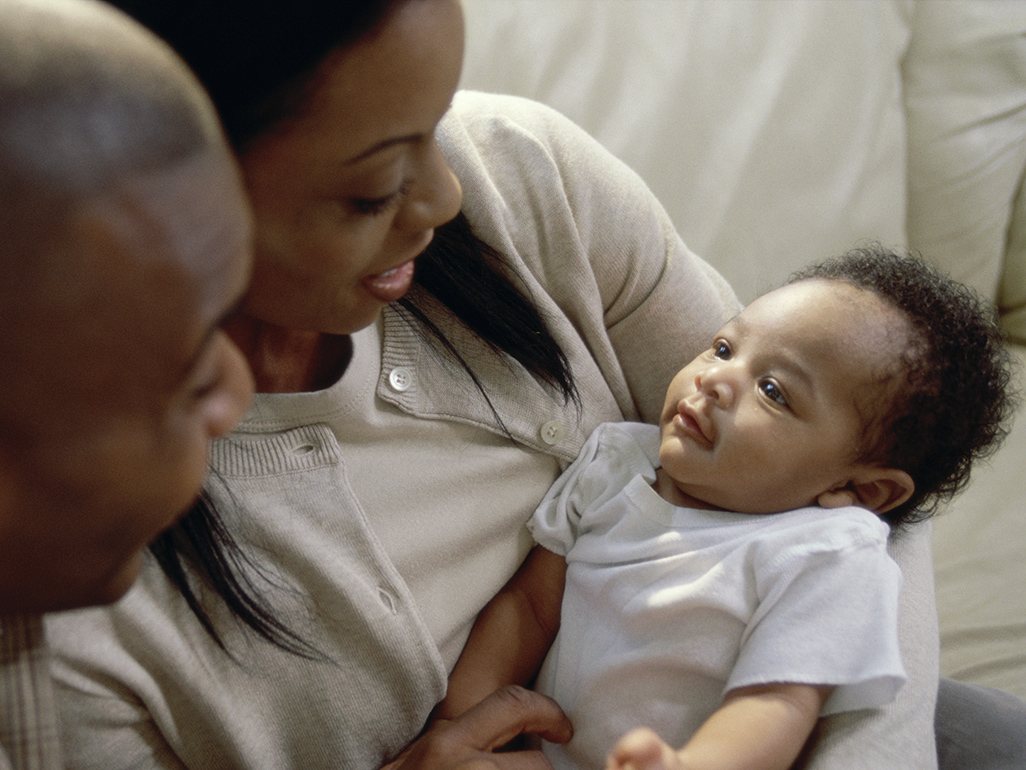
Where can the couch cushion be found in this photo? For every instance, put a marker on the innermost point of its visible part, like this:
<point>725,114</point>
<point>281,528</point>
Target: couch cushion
<point>966,111</point>
<point>978,547</point>
<point>773,132</point>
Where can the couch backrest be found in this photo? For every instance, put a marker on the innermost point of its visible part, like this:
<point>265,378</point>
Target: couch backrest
<point>965,93</point>
<point>778,133</point>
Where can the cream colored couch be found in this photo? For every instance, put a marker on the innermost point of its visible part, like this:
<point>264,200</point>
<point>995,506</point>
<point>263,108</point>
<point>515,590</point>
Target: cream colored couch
<point>777,133</point>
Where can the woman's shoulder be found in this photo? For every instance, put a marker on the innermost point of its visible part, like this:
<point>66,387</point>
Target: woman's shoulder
<point>481,107</point>
<point>500,128</point>
<point>526,166</point>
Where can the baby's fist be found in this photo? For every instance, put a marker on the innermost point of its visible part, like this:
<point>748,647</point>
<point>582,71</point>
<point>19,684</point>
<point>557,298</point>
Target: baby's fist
<point>642,749</point>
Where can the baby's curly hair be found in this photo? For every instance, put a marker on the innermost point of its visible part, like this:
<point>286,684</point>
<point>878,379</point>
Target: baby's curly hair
<point>955,400</point>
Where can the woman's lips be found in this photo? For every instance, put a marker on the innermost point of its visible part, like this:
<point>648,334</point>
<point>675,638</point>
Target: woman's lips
<point>391,284</point>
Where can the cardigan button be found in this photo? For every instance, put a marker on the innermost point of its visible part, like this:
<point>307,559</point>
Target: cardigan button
<point>552,432</point>
<point>390,601</point>
<point>400,378</point>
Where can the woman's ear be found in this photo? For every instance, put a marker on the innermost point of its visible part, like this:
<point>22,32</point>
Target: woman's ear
<point>878,489</point>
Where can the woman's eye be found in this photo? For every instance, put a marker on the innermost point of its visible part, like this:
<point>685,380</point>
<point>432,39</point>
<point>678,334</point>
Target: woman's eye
<point>773,392</point>
<point>371,207</point>
<point>721,350</point>
<point>375,206</point>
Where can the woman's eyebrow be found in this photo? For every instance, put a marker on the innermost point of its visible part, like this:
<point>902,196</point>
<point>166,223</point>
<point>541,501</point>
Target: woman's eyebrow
<point>383,145</point>
<point>392,141</point>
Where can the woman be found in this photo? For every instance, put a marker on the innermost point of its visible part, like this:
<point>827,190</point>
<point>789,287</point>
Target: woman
<point>411,410</point>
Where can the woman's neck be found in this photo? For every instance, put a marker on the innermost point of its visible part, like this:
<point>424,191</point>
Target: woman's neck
<point>290,360</point>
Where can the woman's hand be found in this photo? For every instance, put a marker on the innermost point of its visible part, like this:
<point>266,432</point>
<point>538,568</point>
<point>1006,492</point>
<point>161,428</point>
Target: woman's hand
<point>468,742</point>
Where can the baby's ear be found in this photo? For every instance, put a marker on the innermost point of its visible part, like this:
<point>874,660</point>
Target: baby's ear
<point>878,489</point>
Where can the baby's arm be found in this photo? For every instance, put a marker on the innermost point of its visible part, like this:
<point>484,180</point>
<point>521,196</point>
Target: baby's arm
<point>761,727</point>
<point>511,636</point>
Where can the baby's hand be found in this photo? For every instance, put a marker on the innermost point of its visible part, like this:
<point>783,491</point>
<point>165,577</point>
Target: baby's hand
<point>642,749</point>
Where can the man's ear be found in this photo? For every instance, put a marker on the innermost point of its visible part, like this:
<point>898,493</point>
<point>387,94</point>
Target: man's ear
<point>878,489</point>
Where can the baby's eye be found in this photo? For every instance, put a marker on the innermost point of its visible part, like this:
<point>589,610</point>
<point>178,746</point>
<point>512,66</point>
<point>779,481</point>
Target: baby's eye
<point>721,350</point>
<point>772,391</point>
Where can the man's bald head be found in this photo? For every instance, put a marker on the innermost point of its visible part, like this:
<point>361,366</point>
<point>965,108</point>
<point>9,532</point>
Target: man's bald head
<point>125,240</point>
<point>90,101</point>
<point>86,97</point>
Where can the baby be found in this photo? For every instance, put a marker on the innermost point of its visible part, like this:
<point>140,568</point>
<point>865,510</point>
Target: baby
<point>852,400</point>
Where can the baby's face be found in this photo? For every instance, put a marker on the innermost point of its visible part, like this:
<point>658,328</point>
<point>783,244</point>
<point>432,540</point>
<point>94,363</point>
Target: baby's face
<point>770,417</point>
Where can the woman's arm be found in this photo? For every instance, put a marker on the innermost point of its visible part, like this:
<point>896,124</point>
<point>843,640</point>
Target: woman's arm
<point>899,734</point>
<point>761,728</point>
<point>511,636</point>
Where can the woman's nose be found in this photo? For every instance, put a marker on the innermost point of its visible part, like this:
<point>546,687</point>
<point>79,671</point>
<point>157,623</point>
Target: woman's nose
<point>436,196</point>
<point>716,383</point>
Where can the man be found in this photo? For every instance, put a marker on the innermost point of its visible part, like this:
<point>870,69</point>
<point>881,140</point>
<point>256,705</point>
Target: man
<point>124,241</point>
<point>124,245</point>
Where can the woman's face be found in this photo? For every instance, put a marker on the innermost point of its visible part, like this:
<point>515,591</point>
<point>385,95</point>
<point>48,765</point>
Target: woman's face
<point>348,192</point>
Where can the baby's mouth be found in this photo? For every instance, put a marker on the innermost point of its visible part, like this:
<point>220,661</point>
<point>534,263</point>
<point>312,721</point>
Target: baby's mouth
<point>689,420</point>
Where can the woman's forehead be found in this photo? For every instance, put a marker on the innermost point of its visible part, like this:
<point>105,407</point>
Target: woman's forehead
<point>396,81</point>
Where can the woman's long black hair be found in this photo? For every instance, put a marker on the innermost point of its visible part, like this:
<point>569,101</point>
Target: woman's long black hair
<point>258,60</point>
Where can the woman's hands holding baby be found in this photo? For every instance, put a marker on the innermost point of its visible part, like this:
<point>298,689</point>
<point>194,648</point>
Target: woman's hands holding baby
<point>469,741</point>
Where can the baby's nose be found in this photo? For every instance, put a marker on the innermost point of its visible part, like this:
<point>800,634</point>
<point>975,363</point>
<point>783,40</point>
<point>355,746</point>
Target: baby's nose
<point>715,383</point>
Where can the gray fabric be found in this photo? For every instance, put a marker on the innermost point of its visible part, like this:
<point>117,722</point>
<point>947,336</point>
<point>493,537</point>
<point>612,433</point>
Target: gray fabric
<point>979,728</point>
